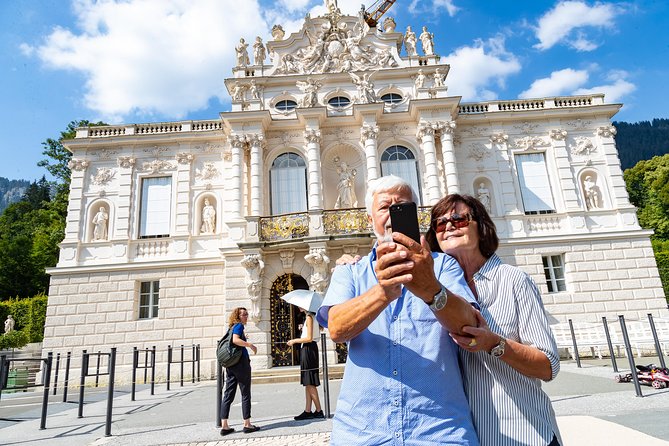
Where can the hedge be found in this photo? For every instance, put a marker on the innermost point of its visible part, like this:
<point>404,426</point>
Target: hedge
<point>29,316</point>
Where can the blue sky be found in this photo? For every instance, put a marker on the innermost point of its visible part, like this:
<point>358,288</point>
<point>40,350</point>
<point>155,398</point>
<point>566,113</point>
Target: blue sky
<point>136,61</point>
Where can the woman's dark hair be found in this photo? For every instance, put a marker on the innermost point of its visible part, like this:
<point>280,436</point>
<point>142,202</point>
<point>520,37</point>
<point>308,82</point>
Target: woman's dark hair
<point>234,316</point>
<point>488,240</point>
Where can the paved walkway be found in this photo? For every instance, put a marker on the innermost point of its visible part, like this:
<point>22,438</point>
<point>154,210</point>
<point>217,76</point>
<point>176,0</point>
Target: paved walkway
<point>592,409</point>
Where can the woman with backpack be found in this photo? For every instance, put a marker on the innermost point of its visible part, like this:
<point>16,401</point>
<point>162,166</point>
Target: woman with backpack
<point>309,366</point>
<point>238,374</point>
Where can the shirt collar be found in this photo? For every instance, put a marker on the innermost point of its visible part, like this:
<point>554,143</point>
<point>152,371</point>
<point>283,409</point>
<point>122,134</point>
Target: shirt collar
<point>489,267</point>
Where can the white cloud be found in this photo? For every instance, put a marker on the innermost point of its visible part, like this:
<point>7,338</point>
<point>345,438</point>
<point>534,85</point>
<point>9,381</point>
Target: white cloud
<point>417,7</point>
<point>615,90</point>
<point>152,57</point>
<point>294,5</point>
<point>475,68</point>
<point>559,83</point>
<point>557,25</point>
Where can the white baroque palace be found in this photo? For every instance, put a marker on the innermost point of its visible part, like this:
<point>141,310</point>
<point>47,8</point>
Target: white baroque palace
<point>171,225</point>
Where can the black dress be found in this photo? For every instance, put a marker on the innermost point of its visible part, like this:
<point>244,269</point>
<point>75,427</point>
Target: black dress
<point>309,357</point>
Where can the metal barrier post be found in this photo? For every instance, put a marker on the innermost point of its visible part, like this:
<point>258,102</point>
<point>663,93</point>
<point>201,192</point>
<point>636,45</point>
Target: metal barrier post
<point>47,381</point>
<point>573,340</point>
<point>55,375</point>
<point>110,394</point>
<point>326,378</point>
<point>146,362</point>
<point>181,366</point>
<point>3,375</point>
<point>135,360</point>
<point>198,362</point>
<point>192,380</point>
<point>97,370</point>
<point>658,346</point>
<point>630,355</point>
<point>219,391</point>
<point>153,369</point>
<point>608,341</point>
<point>169,364</point>
<point>84,372</point>
<point>66,383</point>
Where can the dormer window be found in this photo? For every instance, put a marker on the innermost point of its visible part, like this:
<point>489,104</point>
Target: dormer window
<point>286,105</point>
<point>391,98</point>
<point>339,102</point>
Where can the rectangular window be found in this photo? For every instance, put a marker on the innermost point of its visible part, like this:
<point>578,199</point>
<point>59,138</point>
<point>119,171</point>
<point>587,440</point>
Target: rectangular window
<point>288,190</point>
<point>535,187</point>
<point>148,299</point>
<point>554,271</point>
<point>156,207</point>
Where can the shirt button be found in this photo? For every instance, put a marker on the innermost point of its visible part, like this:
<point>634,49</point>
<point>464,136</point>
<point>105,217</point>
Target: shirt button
<point>394,342</point>
<point>396,403</point>
<point>397,434</point>
<point>395,372</point>
<point>394,318</point>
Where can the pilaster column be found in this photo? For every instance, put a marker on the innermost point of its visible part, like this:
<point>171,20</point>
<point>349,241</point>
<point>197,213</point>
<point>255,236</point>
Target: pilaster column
<point>368,136</point>
<point>619,195</point>
<point>126,166</point>
<point>425,135</point>
<point>450,168</point>
<point>237,142</point>
<point>75,211</point>
<point>313,138</point>
<point>184,164</point>
<point>567,183</point>
<point>256,141</point>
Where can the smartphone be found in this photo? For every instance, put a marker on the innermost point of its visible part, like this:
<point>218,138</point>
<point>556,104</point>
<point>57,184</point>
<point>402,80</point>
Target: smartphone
<point>404,219</point>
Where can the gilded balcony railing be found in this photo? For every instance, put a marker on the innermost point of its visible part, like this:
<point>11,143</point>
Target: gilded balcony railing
<point>346,221</point>
<point>282,227</point>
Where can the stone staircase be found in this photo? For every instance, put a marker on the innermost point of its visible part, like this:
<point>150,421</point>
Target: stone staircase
<point>19,356</point>
<point>290,374</point>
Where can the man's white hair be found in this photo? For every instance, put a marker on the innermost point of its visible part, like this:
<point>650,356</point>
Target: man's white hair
<point>385,184</point>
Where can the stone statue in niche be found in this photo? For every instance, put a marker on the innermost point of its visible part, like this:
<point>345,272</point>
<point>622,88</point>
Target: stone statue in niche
<point>419,82</point>
<point>238,91</point>
<point>592,193</point>
<point>100,224</point>
<point>346,186</point>
<point>254,268</point>
<point>242,53</point>
<point>427,39</point>
<point>483,195</point>
<point>410,42</point>
<point>9,324</point>
<point>319,261</point>
<point>254,90</point>
<point>258,52</point>
<point>208,218</point>
<point>365,86</point>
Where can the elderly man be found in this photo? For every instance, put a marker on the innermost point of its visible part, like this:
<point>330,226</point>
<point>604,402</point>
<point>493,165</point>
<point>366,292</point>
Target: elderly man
<point>402,384</point>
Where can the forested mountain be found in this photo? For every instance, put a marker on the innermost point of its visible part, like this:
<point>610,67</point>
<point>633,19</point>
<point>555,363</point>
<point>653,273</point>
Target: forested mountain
<point>641,140</point>
<point>11,191</point>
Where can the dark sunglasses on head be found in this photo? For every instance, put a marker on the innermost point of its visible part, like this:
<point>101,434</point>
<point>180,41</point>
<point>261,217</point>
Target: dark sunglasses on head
<point>456,220</point>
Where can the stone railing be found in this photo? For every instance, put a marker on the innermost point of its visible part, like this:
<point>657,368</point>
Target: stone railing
<point>543,223</point>
<point>531,104</point>
<point>282,227</point>
<point>147,249</point>
<point>148,129</point>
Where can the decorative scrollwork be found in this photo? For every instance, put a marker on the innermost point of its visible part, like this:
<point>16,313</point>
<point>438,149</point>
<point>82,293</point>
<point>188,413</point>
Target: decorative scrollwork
<point>286,226</point>
<point>346,221</point>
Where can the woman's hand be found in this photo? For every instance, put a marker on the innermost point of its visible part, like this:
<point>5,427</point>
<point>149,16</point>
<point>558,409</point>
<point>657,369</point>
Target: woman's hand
<point>480,338</point>
<point>291,342</point>
<point>253,348</point>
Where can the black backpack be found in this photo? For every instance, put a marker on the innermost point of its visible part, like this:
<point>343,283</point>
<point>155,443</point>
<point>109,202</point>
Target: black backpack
<point>227,353</point>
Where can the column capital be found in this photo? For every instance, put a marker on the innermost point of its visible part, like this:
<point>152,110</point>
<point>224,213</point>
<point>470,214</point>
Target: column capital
<point>78,164</point>
<point>426,128</point>
<point>237,141</point>
<point>369,131</point>
<point>558,134</point>
<point>185,158</point>
<point>446,127</point>
<point>607,131</point>
<point>312,136</point>
<point>499,138</point>
<point>126,162</point>
<point>256,139</point>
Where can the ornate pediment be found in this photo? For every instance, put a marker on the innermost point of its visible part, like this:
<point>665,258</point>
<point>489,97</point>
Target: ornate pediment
<point>333,44</point>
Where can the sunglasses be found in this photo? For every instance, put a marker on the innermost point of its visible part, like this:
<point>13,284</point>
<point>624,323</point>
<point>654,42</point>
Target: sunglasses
<point>456,220</point>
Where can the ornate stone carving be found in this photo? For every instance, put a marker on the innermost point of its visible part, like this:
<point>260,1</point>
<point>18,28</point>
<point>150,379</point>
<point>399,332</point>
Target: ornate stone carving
<point>319,262</point>
<point>277,32</point>
<point>558,134</point>
<point>419,80</point>
<point>157,165</point>
<point>389,25</point>
<point>529,142</point>
<point>346,197</point>
<point>483,195</point>
<point>368,131</point>
<point>185,157</point>
<point>365,87</point>
<point>259,52</point>
<point>208,172</point>
<point>100,224</point>
<point>310,89</point>
<point>583,146</point>
<point>438,78</point>
<point>446,127</point>
<point>499,138</point>
<point>238,92</point>
<point>287,257</point>
<point>478,152</point>
<point>526,127</point>
<point>103,176</point>
<point>77,164</point>
<point>208,218</point>
<point>312,136</point>
<point>607,131</point>
<point>579,124</point>
<point>592,193</point>
<point>426,128</point>
<point>256,140</point>
<point>254,268</point>
<point>241,53</point>
<point>107,154</point>
<point>126,162</point>
<point>155,151</point>
<point>238,141</point>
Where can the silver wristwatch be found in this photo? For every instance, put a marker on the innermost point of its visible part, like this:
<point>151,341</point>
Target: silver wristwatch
<point>439,300</point>
<point>498,350</point>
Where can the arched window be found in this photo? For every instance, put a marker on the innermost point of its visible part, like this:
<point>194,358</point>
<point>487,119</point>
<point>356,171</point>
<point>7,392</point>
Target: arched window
<point>339,101</point>
<point>288,180</point>
<point>400,161</point>
<point>391,98</point>
<point>286,105</point>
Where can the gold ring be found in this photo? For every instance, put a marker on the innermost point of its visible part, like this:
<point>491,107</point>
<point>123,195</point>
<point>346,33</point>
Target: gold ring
<point>472,343</point>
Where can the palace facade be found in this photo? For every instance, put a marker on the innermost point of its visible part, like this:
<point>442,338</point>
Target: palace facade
<point>171,225</point>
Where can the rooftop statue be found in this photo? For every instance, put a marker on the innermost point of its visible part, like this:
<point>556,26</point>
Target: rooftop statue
<point>258,52</point>
<point>410,42</point>
<point>427,39</point>
<point>241,53</point>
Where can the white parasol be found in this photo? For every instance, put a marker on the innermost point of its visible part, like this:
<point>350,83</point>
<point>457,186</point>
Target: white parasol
<point>307,299</point>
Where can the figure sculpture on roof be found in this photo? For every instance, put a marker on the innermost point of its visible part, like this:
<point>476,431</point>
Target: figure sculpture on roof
<point>331,5</point>
<point>242,53</point>
<point>258,52</point>
<point>427,39</point>
<point>410,42</point>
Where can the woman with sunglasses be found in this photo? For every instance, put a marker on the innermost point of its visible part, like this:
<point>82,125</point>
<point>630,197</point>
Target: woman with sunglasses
<point>512,350</point>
